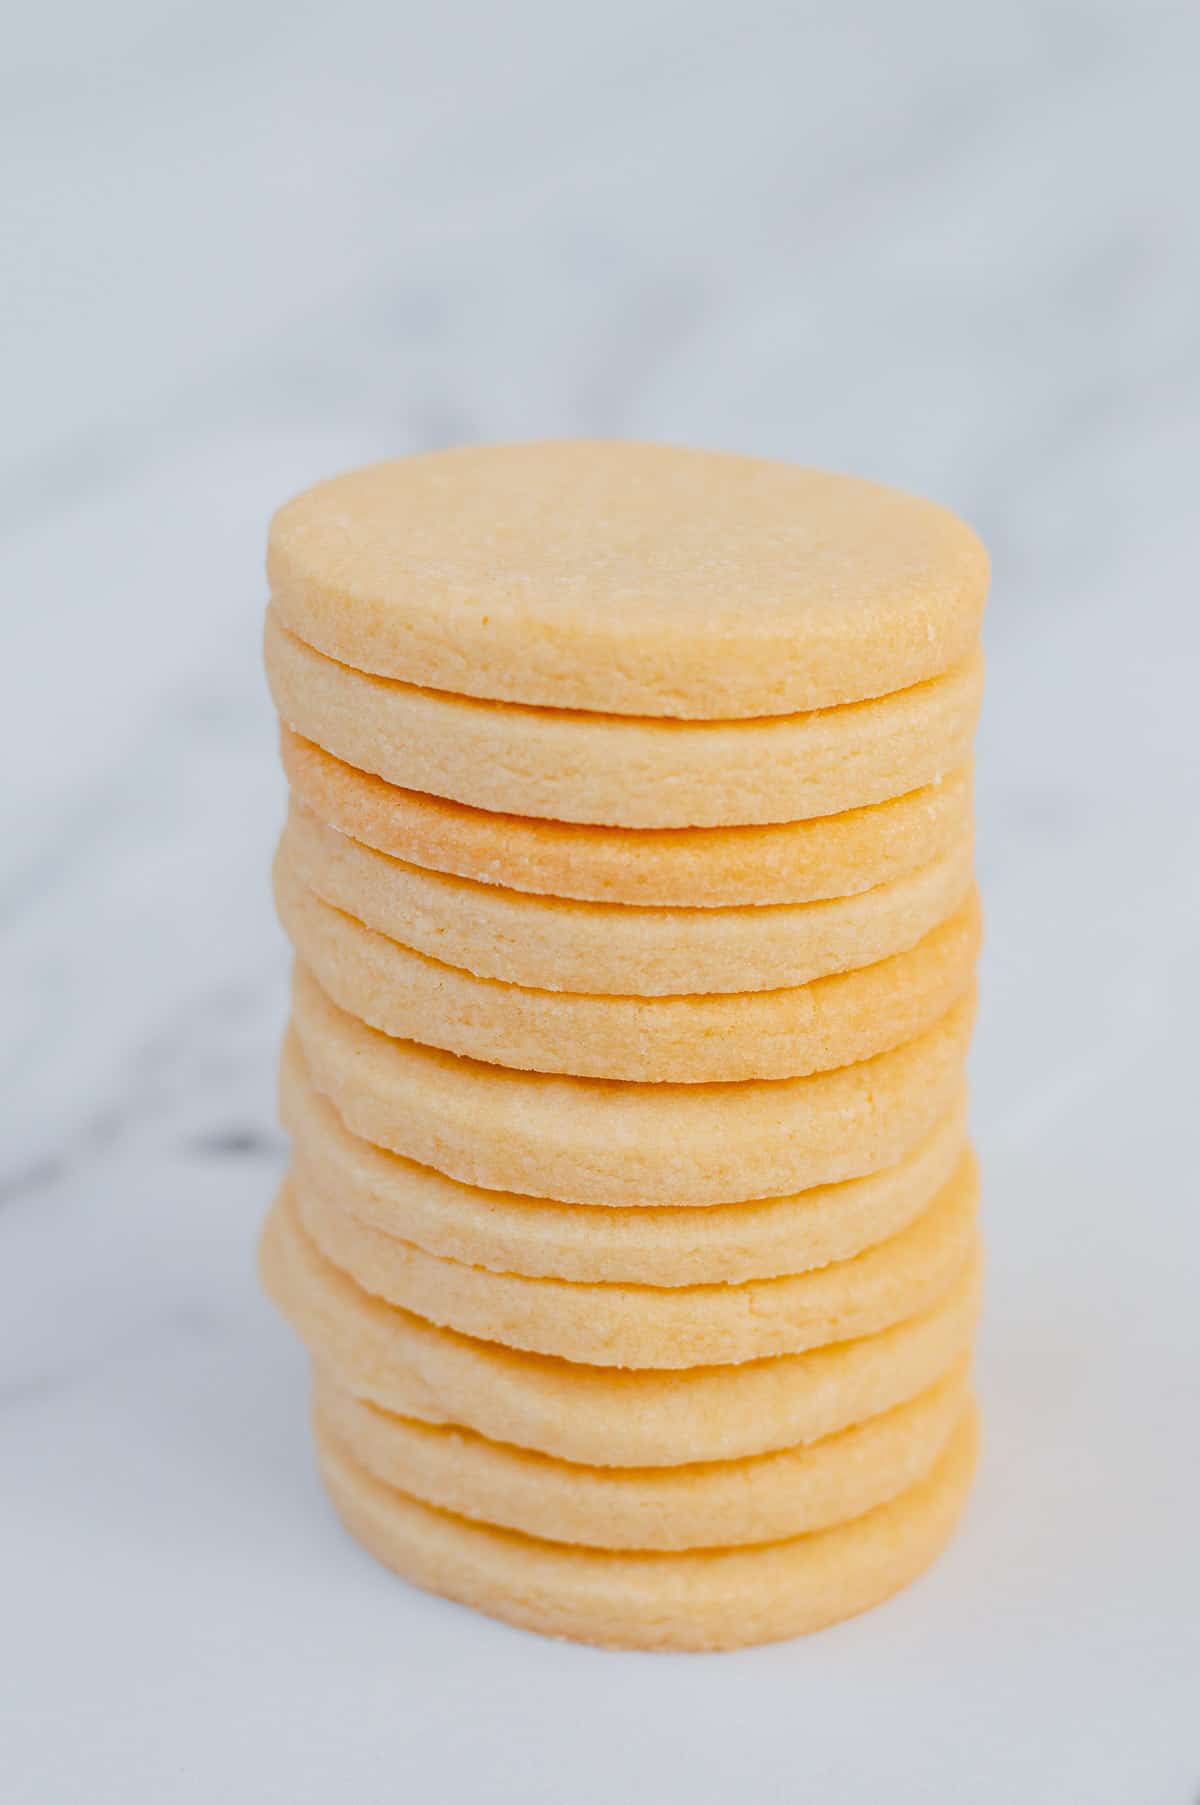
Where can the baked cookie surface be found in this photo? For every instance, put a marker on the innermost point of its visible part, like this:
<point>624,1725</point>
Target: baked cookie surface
<point>611,948</point>
<point>580,1140</point>
<point>697,1599</point>
<point>625,770</point>
<point>688,868</point>
<point>537,1238</point>
<point>709,1504</point>
<point>621,769</point>
<point>594,1415</point>
<point>628,578</point>
<point>761,1034</point>
<point>666,1327</point>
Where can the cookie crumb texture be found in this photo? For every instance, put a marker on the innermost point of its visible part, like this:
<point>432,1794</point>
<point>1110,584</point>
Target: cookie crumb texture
<point>630,1223</point>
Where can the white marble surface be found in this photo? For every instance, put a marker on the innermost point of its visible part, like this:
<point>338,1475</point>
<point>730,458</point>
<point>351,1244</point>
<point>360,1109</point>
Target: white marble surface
<point>247,245</point>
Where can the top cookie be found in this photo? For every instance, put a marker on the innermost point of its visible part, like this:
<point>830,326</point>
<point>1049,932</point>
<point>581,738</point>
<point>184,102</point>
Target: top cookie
<point>628,579</point>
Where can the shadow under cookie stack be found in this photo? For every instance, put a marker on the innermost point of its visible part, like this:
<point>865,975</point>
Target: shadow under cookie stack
<point>630,1221</point>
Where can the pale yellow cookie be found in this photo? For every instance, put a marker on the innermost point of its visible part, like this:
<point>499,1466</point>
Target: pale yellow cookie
<point>720,1244</point>
<point>711,1504</point>
<point>699,1599</point>
<point>692,868</point>
<point>634,579</point>
<point>609,948</point>
<point>647,1326</point>
<point>584,1140</point>
<point>619,770</point>
<point>602,1416</point>
<point>654,1040</point>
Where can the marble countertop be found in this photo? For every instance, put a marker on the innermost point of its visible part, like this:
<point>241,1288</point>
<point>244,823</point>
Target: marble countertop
<point>249,245</point>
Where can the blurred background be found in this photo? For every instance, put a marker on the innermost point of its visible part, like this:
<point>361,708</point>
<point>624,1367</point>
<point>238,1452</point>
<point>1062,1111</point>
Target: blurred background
<point>247,245</point>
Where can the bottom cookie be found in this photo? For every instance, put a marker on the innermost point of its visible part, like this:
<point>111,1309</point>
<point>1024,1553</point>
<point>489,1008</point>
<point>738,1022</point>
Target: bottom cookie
<point>714,1599</point>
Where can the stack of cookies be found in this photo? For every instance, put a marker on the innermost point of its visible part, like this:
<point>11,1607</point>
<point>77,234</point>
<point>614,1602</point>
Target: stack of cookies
<point>631,1217</point>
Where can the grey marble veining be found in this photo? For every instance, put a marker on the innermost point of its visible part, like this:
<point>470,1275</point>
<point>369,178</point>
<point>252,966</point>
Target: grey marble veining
<point>249,245</point>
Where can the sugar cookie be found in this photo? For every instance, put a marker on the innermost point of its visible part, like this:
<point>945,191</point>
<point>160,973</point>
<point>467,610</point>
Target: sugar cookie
<point>634,579</point>
<point>720,1244</point>
<point>602,1416</point>
<point>611,949</point>
<point>700,1599</point>
<point>760,1034</point>
<point>692,868</point>
<point>662,1327</point>
<point>620,770</point>
<point>712,1504</point>
<point>580,1140</point>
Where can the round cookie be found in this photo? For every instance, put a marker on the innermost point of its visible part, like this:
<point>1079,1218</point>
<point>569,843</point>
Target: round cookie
<point>602,1416</point>
<point>712,1504</point>
<point>691,868</point>
<point>582,1140</point>
<point>760,1034</point>
<point>697,1599</point>
<point>644,1326</point>
<point>633,579</point>
<point>608,949</point>
<point>720,1244</point>
<point>622,770</point>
